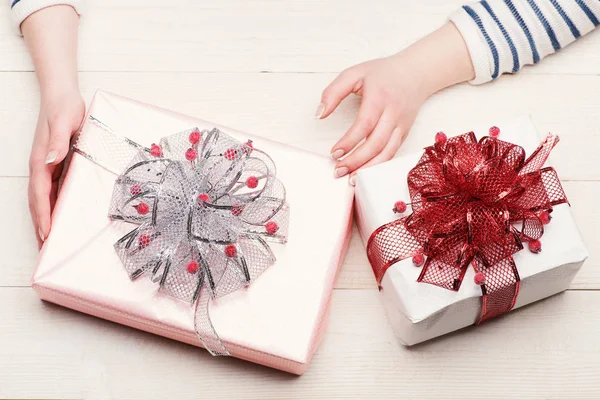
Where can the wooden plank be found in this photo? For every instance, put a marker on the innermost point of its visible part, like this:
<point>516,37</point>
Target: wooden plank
<point>282,36</point>
<point>281,106</point>
<point>17,242</point>
<point>51,352</point>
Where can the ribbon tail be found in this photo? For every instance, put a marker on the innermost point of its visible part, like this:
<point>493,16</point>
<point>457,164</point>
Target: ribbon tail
<point>103,146</point>
<point>501,287</point>
<point>205,330</point>
<point>538,158</point>
<point>554,189</point>
<point>389,244</point>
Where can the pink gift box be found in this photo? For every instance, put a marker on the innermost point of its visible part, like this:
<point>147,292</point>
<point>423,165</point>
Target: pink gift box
<point>278,321</point>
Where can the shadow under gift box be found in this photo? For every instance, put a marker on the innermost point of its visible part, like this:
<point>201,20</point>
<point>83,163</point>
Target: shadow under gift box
<point>278,321</point>
<point>420,311</point>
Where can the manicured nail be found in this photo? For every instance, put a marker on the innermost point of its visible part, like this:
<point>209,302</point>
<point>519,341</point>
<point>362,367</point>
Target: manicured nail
<point>339,172</point>
<point>336,155</point>
<point>41,234</point>
<point>319,111</point>
<point>51,157</point>
<point>353,180</point>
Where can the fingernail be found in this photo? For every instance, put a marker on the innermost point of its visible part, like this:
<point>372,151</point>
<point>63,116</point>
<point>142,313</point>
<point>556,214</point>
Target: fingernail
<point>41,234</point>
<point>353,180</point>
<point>319,111</point>
<point>339,172</point>
<point>51,157</point>
<point>336,155</point>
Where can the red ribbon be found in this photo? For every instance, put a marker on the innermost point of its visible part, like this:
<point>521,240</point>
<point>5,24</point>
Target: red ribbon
<point>474,203</point>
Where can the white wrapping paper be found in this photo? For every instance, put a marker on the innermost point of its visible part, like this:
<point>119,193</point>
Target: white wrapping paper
<point>420,311</point>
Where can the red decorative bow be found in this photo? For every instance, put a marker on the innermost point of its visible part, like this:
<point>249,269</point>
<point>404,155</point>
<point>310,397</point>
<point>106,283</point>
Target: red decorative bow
<point>473,203</point>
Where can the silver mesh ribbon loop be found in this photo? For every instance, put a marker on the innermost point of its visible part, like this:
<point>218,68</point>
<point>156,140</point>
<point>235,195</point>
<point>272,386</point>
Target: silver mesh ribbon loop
<point>205,205</point>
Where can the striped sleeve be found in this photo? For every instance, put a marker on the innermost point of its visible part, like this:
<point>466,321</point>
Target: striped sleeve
<point>21,9</point>
<point>504,35</point>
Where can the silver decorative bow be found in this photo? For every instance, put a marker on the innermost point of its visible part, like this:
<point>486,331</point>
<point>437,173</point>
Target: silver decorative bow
<point>205,205</point>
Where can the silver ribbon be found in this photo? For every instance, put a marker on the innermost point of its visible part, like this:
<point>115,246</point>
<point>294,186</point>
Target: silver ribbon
<point>204,209</point>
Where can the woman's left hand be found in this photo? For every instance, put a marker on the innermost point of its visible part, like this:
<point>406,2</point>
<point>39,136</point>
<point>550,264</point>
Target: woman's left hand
<point>393,89</point>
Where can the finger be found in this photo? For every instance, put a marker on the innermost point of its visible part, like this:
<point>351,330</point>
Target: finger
<point>33,215</point>
<point>36,164</point>
<point>391,148</point>
<point>58,145</point>
<point>388,152</point>
<point>368,115</point>
<point>348,81</point>
<point>56,175</point>
<point>53,195</point>
<point>41,184</point>
<point>374,144</point>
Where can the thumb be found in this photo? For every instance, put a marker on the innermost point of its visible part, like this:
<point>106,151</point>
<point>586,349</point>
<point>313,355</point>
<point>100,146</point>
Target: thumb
<point>58,145</point>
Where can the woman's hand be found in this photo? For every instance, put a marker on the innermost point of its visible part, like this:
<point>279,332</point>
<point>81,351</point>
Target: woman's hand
<point>391,98</point>
<point>51,36</point>
<point>60,117</point>
<point>393,90</point>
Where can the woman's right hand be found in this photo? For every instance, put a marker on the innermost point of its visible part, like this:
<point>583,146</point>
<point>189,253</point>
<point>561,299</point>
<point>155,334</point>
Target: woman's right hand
<point>51,36</point>
<point>59,118</point>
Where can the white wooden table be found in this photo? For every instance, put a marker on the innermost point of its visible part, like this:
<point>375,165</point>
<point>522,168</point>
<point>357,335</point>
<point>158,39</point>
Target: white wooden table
<point>260,66</point>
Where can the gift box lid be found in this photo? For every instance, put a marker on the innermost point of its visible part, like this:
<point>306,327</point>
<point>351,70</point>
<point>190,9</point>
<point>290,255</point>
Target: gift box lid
<point>279,317</point>
<point>379,187</point>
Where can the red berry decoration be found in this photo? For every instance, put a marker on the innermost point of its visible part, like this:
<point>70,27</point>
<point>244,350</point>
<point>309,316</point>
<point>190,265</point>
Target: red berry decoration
<point>135,189</point>
<point>236,209</point>
<point>271,227</point>
<point>248,147</point>
<point>142,208</point>
<point>545,217</point>
<point>192,267</point>
<point>190,154</point>
<point>230,154</point>
<point>230,251</point>
<point>399,207</point>
<point>494,131</point>
<point>144,240</point>
<point>440,137</point>
<point>203,197</point>
<point>156,150</point>
<point>252,182</point>
<point>535,246</point>
<point>479,278</point>
<point>418,260</point>
<point>194,137</point>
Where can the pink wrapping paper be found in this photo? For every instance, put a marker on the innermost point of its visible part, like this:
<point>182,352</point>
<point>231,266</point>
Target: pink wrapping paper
<point>278,321</point>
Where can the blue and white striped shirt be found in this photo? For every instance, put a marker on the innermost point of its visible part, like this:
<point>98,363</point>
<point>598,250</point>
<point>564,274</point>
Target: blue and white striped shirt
<point>504,35</point>
<point>21,9</point>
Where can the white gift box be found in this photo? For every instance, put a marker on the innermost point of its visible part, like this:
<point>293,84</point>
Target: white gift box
<point>420,311</point>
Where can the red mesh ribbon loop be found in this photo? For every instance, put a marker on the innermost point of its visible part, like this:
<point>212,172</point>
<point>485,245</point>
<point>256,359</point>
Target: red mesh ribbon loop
<point>474,203</point>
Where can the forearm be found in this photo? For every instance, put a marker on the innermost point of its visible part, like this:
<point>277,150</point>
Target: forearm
<point>51,37</point>
<point>504,35</point>
<point>439,60</point>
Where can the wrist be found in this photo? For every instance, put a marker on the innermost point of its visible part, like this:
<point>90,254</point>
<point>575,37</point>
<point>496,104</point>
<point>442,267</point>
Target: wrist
<point>58,88</point>
<point>440,59</point>
<point>51,36</point>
